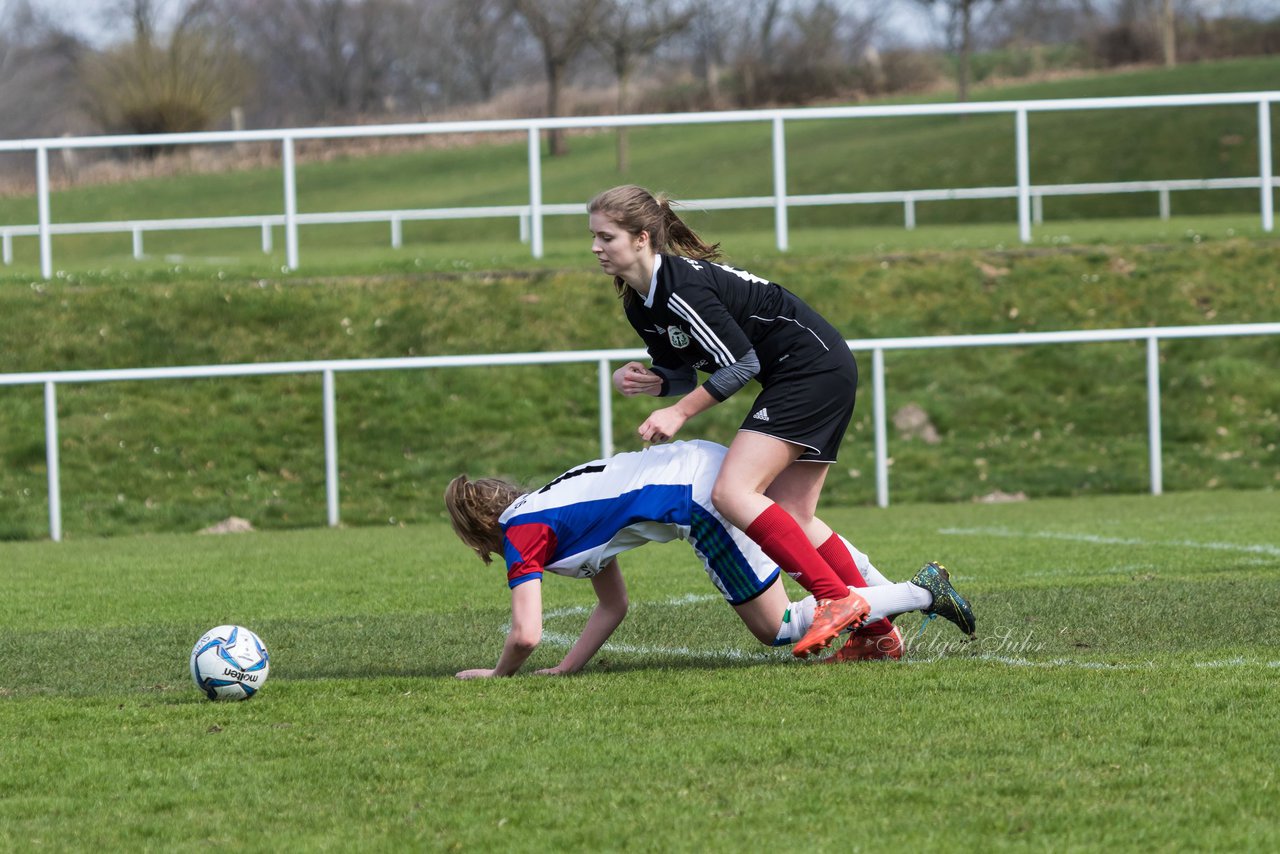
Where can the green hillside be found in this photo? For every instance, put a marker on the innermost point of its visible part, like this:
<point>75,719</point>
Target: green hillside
<point>707,161</point>
<point>1056,420</point>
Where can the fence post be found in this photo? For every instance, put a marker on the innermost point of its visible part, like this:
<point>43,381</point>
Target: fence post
<point>8,248</point>
<point>780,184</point>
<point>42,200</point>
<point>1264,163</point>
<point>878,415</point>
<point>1164,203</point>
<point>290,204</point>
<point>535,192</point>
<point>1024,178</point>
<point>137,243</point>
<point>51,460</point>
<point>266,238</point>
<point>1153,415</point>
<point>330,449</point>
<point>605,384</point>
<point>1037,208</point>
<point>909,212</point>
<point>397,233</point>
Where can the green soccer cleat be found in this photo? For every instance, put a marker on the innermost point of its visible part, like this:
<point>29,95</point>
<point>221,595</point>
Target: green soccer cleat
<point>934,577</point>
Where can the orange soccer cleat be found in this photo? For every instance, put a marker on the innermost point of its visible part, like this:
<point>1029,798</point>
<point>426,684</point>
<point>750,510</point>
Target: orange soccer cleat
<point>830,618</point>
<point>861,647</point>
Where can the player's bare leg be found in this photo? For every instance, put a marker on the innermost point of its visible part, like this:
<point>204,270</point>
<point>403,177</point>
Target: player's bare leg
<point>753,463</point>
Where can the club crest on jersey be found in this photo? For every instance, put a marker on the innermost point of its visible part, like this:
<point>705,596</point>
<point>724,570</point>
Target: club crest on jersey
<point>678,338</point>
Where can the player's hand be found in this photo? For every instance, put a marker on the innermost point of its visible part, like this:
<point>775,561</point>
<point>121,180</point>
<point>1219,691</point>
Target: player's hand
<point>479,673</point>
<point>634,378</point>
<point>662,425</point>
<point>552,671</point>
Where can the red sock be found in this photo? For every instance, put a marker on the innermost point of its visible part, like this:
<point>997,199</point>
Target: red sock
<point>833,551</point>
<point>839,559</point>
<point>784,542</point>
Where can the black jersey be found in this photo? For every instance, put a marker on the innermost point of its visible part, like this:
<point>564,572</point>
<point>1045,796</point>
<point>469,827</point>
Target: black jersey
<point>707,316</point>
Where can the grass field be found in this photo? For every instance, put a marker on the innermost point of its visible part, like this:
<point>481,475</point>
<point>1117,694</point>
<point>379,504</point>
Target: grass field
<point>1122,695</point>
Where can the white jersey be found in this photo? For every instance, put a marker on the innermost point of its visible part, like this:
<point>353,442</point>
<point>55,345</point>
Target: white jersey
<point>577,523</point>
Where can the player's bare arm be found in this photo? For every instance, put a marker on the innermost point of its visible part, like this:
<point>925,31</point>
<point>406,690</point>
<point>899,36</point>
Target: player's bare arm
<point>611,608</point>
<point>663,424</point>
<point>525,634</point>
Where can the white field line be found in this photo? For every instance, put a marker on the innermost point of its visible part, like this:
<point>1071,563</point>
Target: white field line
<point>564,640</point>
<point>1263,548</point>
<point>560,639</point>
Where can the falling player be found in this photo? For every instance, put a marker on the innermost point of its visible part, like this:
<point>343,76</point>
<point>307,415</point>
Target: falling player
<point>578,523</point>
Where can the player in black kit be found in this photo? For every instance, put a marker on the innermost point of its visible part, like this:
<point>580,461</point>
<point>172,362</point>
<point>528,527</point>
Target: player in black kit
<point>695,314</point>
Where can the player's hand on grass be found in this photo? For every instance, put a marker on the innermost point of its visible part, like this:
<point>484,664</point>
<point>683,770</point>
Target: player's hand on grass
<point>634,378</point>
<point>478,673</point>
<point>551,671</point>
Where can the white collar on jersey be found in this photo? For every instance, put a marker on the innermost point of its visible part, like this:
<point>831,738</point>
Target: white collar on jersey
<point>653,282</point>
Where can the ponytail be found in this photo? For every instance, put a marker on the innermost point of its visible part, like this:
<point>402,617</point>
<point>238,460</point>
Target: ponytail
<point>683,238</point>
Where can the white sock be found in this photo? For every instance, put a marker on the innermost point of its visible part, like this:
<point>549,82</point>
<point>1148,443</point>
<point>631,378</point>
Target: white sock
<point>860,559</point>
<point>892,599</point>
<point>796,620</point>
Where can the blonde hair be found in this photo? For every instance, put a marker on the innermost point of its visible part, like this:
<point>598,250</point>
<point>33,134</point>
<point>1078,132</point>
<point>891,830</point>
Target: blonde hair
<point>635,209</point>
<point>474,507</point>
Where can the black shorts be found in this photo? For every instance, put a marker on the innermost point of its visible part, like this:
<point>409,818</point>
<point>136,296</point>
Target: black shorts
<point>810,408</point>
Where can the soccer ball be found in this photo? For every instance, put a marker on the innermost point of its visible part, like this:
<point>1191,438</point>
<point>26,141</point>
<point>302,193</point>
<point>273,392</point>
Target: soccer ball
<point>229,663</point>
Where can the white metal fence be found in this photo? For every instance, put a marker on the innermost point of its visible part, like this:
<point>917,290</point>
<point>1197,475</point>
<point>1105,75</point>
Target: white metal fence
<point>1029,196</point>
<point>604,360</point>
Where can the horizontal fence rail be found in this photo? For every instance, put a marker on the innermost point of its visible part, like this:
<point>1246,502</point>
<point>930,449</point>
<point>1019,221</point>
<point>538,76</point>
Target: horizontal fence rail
<point>604,360</point>
<point>395,219</point>
<point>1029,196</point>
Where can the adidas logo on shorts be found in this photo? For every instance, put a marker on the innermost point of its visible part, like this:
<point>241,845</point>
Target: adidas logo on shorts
<point>762,415</point>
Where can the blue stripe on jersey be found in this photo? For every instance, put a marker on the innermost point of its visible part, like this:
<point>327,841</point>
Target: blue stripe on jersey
<point>723,555</point>
<point>586,525</point>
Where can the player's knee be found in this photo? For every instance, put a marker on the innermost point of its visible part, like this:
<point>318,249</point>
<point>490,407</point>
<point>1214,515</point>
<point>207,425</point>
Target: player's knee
<point>725,498</point>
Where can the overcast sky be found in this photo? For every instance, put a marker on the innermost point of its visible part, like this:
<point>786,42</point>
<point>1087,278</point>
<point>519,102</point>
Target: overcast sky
<point>92,19</point>
<point>905,21</point>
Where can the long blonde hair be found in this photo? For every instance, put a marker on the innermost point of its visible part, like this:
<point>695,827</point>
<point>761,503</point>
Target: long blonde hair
<point>474,507</point>
<point>635,209</point>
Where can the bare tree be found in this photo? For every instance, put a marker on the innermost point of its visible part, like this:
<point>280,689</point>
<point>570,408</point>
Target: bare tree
<point>483,39</point>
<point>1042,22</point>
<point>562,29</point>
<point>779,50</point>
<point>820,48</point>
<point>1168,33</point>
<point>628,32</point>
<point>36,57</point>
<point>333,60</point>
<point>959,28</point>
<point>184,81</point>
<point>755,34</point>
